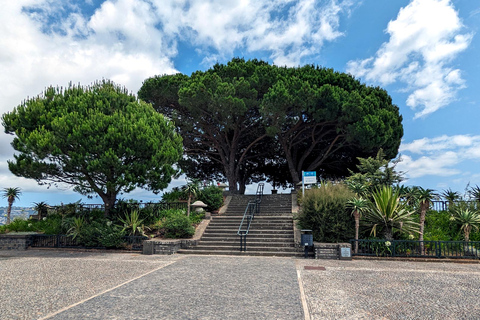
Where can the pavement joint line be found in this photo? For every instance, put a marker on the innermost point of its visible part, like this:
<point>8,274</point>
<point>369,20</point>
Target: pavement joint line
<point>103,292</point>
<point>306,312</point>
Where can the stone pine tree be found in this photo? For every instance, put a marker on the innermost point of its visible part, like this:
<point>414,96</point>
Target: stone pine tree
<point>99,139</point>
<point>317,119</point>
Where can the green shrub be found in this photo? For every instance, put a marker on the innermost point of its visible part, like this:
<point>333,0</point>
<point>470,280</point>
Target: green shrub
<point>53,224</point>
<point>174,195</point>
<point>440,227</point>
<point>196,217</point>
<point>178,226</point>
<point>212,196</point>
<point>324,212</point>
<point>110,235</point>
<point>20,225</point>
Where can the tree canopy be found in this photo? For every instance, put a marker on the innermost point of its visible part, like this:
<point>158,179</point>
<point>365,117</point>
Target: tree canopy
<point>100,139</point>
<point>246,119</point>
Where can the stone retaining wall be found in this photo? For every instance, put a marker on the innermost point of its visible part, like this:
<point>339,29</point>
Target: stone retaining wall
<point>342,251</point>
<point>15,241</point>
<point>167,246</point>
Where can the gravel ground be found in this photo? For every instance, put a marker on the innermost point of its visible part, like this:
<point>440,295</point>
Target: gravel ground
<point>41,284</point>
<point>35,283</point>
<point>362,289</point>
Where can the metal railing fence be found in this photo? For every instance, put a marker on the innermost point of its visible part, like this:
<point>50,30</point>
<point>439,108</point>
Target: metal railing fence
<point>412,248</point>
<point>253,208</point>
<point>443,205</point>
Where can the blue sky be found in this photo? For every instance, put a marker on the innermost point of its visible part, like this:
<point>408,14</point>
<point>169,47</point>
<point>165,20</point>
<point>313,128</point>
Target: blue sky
<point>423,52</point>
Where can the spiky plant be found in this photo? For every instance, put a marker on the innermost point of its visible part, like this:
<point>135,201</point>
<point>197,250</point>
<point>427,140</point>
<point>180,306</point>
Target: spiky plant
<point>468,220</point>
<point>474,193</point>
<point>450,196</point>
<point>388,215</point>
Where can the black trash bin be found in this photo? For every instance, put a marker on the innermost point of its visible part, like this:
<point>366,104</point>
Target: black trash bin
<point>307,240</point>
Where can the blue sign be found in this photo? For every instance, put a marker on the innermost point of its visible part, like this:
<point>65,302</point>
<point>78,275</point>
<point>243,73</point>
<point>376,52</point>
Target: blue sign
<point>309,177</point>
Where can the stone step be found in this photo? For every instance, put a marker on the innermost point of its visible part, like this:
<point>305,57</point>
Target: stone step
<point>236,242</point>
<point>254,238</point>
<point>249,248</point>
<point>242,253</point>
<point>257,217</point>
<point>254,227</point>
<point>250,232</point>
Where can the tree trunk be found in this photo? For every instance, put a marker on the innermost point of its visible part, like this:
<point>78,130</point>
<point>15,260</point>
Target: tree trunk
<point>109,202</point>
<point>388,234</point>
<point>467,233</point>
<point>242,188</point>
<point>188,204</point>
<point>357,227</point>
<point>291,166</point>
<point>9,211</point>
<point>423,211</point>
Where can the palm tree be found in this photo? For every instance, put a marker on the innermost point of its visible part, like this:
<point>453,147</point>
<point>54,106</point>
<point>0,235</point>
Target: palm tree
<point>387,214</point>
<point>424,198</point>
<point>11,194</point>
<point>450,196</point>
<point>191,189</point>
<point>358,206</point>
<point>475,193</point>
<point>42,209</point>
<point>358,188</point>
<point>468,219</point>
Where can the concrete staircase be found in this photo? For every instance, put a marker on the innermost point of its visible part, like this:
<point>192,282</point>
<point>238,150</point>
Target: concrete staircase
<point>271,232</point>
<point>272,205</point>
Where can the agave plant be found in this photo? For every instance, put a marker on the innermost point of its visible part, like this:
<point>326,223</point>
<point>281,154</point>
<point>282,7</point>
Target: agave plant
<point>388,215</point>
<point>468,219</point>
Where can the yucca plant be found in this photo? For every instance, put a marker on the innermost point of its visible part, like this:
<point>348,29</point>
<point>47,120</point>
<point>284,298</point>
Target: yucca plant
<point>388,215</point>
<point>468,220</point>
<point>132,224</point>
<point>78,224</point>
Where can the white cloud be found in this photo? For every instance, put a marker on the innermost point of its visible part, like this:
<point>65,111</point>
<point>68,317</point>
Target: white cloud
<point>288,30</point>
<point>424,38</point>
<point>439,156</point>
<point>53,42</point>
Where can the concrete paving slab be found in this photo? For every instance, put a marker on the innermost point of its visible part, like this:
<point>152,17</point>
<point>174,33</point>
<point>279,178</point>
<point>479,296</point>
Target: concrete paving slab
<point>362,289</point>
<point>199,287</point>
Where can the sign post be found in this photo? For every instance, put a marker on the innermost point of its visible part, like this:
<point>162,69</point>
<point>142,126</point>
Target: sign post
<point>308,177</point>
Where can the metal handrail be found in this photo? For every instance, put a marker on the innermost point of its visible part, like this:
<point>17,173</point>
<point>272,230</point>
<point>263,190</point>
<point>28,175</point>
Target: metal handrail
<point>253,208</point>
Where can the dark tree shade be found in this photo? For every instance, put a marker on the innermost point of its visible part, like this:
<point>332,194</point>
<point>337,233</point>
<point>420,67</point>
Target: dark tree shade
<point>99,139</point>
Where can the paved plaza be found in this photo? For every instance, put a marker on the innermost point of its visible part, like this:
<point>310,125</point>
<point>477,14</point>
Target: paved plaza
<point>43,284</point>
